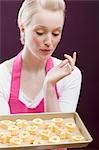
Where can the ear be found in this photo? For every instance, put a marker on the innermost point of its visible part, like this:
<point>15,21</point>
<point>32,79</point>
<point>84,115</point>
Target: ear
<point>21,29</point>
<point>22,34</point>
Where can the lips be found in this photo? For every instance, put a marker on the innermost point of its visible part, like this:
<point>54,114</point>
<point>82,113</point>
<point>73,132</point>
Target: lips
<point>47,50</point>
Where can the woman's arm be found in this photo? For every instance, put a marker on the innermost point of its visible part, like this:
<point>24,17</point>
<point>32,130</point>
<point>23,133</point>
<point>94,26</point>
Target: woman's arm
<point>51,103</point>
<point>56,74</point>
<point>68,95</point>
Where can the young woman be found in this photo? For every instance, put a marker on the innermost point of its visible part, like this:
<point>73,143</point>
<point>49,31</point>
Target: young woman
<point>34,81</point>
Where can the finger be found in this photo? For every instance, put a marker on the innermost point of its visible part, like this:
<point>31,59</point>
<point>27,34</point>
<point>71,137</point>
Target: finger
<point>68,68</point>
<point>74,57</point>
<point>63,63</point>
<point>70,59</point>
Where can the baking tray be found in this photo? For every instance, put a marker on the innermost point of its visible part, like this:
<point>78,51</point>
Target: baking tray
<point>48,116</point>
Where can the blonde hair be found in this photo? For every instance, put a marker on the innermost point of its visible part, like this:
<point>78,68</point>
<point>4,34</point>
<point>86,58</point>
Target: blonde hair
<point>31,7</point>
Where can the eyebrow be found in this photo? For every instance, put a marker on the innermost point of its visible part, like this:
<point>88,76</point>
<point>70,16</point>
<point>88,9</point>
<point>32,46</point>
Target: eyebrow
<point>46,28</point>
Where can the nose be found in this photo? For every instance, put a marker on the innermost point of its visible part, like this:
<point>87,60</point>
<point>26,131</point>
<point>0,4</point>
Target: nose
<point>48,40</point>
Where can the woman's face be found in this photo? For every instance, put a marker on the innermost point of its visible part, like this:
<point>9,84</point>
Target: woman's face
<point>44,32</point>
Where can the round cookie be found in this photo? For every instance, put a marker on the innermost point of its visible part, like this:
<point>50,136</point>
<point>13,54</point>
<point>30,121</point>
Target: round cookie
<point>37,121</point>
<point>54,139</point>
<point>13,129</point>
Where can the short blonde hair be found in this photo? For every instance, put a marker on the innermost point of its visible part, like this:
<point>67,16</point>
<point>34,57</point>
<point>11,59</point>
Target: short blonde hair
<point>31,7</point>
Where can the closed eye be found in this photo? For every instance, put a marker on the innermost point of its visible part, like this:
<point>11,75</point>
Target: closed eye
<point>39,33</point>
<point>56,34</point>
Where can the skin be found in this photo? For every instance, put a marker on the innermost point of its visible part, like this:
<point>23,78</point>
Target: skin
<point>47,40</point>
<point>42,36</point>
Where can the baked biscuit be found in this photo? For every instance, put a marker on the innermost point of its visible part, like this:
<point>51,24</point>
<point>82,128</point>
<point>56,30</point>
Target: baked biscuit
<point>77,138</point>
<point>13,129</point>
<point>25,136</point>
<point>45,134</point>
<point>4,137</point>
<point>15,141</point>
<point>58,121</point>
<point>37,121</point>
<point>22,123</point>
<point>70,126</point>
<point>5,123</point>
<point>54,139</point>
<point>32,129</point>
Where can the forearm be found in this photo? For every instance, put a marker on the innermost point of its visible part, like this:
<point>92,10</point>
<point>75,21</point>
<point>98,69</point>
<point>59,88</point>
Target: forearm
<point>50,98</point>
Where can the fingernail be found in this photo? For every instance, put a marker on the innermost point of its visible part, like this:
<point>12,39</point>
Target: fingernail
<point>65,55</point>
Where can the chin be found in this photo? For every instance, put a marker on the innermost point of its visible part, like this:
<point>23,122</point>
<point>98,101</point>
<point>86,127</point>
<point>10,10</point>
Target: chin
<point>45,57</point>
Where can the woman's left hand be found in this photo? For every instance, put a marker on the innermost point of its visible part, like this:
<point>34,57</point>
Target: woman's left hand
<point>63,69</point>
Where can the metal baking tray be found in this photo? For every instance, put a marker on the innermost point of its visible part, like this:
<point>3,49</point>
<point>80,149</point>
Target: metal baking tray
<point>48,116</point>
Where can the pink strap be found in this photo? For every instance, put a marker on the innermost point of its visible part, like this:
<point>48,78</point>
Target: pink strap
<point>49,65</point>
<point>16,73</point>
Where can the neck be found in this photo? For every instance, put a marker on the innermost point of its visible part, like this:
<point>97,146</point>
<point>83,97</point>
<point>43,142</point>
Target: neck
<point>31,62</point>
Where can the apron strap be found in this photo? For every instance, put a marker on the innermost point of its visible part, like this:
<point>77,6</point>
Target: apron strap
<point>15,79</point>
